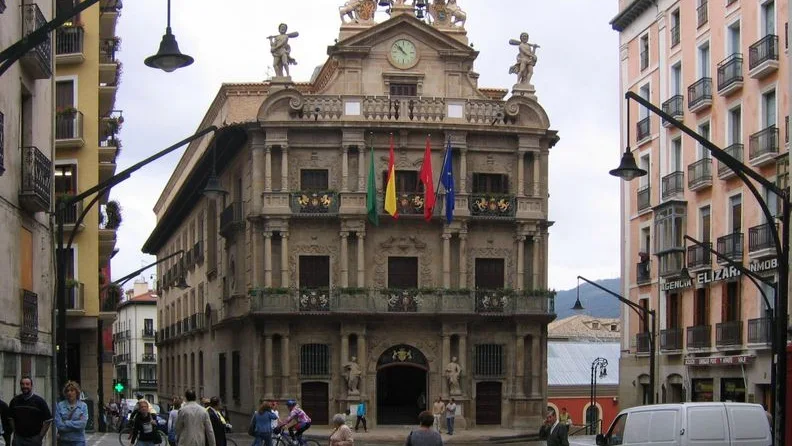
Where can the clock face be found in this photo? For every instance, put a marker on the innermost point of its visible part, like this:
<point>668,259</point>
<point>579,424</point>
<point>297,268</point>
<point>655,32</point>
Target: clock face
<point>403,53</point>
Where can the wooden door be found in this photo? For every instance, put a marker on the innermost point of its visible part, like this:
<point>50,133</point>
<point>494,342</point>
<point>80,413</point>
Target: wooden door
<point>315,402</point>
<point>488,403</point>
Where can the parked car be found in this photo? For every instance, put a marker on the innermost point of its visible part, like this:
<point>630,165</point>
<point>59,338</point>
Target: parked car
<point>690,424</point>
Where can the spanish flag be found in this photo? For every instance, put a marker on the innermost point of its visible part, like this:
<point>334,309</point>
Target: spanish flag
<point>390,187</point>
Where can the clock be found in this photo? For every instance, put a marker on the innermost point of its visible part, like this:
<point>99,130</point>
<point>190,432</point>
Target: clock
<point>403,54</point>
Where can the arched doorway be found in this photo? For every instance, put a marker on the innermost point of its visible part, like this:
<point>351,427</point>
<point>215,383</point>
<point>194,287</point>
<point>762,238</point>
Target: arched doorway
<point>401,385</point>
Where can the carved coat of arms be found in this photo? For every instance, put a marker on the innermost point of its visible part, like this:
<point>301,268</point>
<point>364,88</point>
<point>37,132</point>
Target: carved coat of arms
<point>402,354</point>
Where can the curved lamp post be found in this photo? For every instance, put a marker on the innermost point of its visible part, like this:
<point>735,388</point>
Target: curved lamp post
<point>598,367</point>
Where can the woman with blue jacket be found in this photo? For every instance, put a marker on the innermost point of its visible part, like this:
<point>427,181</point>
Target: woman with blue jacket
<point>261,425</point>
<point>71,417</point>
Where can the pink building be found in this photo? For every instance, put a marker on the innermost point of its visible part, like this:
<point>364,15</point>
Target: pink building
<point>719,66</point>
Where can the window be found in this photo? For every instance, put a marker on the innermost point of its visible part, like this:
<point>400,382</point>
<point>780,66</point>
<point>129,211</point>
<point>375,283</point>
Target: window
<point>200,370</point>
<point>669,228</point>
<point>616,433</point>
<point>735,213</point>
<point>673,311</point>
<point>404,89</point>
<point>676,79</point>
<point>614,327</point>
<point>489,274</point>
<point>63,7</point>
<point>314,271</point>
<point>148,325</point>
<point>148,348</point>
<point>222,376</point>
<point>733,38</point>
<point>675,27</point>
<point>402,272</point>
<point>644,93</point>
<point>406,182</point>
<point>314,359</point>
<point>731,302</point>
<point>676,155</point>
<point>644,163</point>
<point>769,108</point>
<point>595,325</point>
<point>705,226</point>
<point>701,307</point>
<point>490,183</point>
<point>644,303</point>
<point>704,60</point>
<point>64,95</point>
<point>235,377</point>
<point>66,179</point>
<point>644,51</point>
<point>734,134</point>
<point>646,240</point>
<point>704,130</point>
<point>768,18</point>
<point>489,360</point>
<point>313,180</point>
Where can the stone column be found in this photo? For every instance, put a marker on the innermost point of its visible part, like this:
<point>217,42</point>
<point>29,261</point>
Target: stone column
<point>285,259</point>
<point>545,253</point>
<point>444,363</point>
<point>284,168</point>
<point>361,278</point>
<point>268,367</point>
<point>258,150</point>
<point>344,169</point>
<point>535,247</point>
<point>285,366</point>
<point>446,260</point>
<point>520,174</point>
<point>267,258</point>
<point>536,363</point>
<point>519,369</point>
<point>268,169</point>
<point>344,360</point>
<point>362,360</point>
<point>462,260</point>
<point>537,174</point>
<point>462,172</point>
<point>361,171</point>
<point>344,259</point>
<point>463,356</point>
<point>258,257</point>
<point>520,262</point>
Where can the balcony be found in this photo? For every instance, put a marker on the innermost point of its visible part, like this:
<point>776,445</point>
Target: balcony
<point>643,129</point>
<point>736,151</point>
<point>700,174</point>
<point>231,219</point>
<point>147,333</point>
<point>28,332</point>
<point>109,66</point>
<point>492,206</point>
<point>69,129</point>
<point>643,198</point>
<point>147,384</point>
<point>763,57</point>
<point>314,203</point>
<point>69,45</point>
<point>642,343</point>
<point>109,11</point>
<point>699,257</point>
<point>728,333</point>
<point>671,339</point>
<point>760,331</point>
<point>643,273</point>
<point>38,61</point>
<point>760,241</point>
<point>70,218</point>
<point>730,76</point>
<point>700,95</point>
<point>674,36</point>
<point>107,243</point>
<point>674,106</point>
<point>35,192</point>
<point>148,357</point>
<point>763,147</point>
<point>731,246</point>
<point>673,185</point>
<point>75,295</point>
<point>671,262</point>
<point>699,336</point>
<point>701,14</point>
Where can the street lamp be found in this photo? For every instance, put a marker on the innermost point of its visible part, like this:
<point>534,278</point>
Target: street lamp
<point>642,313</point>
<point>780,243</point>
<point>169,58</point>
<point>598,367</point>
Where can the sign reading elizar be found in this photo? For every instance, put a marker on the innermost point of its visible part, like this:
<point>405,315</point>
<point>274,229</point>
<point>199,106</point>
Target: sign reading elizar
<point>725,273</point>
<point>721,360</point>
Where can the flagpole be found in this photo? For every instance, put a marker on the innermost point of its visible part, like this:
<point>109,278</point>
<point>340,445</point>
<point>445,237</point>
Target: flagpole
<point>440,178</point>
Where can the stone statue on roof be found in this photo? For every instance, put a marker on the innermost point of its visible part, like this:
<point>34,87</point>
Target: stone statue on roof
<point>281,50</point>
<point>526,59</point>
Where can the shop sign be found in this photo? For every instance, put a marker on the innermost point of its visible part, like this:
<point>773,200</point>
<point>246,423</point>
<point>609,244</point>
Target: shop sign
<point>725,273</point>
<point>720,360</point>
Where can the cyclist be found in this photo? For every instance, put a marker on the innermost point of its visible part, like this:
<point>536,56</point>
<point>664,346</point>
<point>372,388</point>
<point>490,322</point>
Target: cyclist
<point>298,421</point>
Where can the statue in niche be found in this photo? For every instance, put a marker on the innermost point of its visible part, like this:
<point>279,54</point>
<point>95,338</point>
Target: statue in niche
<point>352,374</point>
<point>452,372</point>
<point>526,59</point>
<point>281,50</point>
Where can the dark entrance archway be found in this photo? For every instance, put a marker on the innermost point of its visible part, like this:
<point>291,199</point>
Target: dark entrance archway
<point>401,385</point>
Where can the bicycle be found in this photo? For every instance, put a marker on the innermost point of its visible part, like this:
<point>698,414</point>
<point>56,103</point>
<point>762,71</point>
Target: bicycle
<point>125,437</point>
<point>282,438</point>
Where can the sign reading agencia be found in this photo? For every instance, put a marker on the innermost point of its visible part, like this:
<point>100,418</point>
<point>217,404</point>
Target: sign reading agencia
<point>717,275</point>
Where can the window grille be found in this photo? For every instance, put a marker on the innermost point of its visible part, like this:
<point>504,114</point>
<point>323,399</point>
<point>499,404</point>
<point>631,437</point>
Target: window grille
<point>489,360</point>
<point>315,359</point>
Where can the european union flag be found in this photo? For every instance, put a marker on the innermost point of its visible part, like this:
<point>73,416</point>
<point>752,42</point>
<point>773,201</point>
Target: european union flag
<point>447,178</point>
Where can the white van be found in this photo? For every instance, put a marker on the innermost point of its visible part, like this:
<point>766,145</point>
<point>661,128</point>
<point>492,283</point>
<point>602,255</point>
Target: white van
<point>690,424</point>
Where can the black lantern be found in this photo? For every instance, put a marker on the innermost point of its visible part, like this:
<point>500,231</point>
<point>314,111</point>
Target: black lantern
<point>169,58</point>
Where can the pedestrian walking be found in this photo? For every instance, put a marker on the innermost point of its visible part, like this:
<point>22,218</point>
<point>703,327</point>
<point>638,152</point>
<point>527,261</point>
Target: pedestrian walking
<point>554,432</point>
<point>276,421</point>
<point>341,434</point>
<point>438,408</point>
<point>261,425</point>
<point>424,435</point>
<point>5,418</point>
<point>193,427</point>
<point>172,416</point>
<point>219,423</point>
<point>71,417</point>
<point>361,416</point>
<point>30,414</point>
<point>144,426</point>
<point>450,413</point>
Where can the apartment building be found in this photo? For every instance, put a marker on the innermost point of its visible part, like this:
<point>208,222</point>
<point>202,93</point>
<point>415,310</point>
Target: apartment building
<point>26,153</point>
<point>134,331</point>
<point>87,73</point>
<point>294,293</point>
<point>720,66</point>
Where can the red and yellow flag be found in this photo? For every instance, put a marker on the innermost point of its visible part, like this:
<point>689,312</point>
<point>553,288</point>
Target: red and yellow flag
<point>390,187</point>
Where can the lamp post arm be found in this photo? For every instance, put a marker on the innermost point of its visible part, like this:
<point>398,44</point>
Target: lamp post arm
<point>641,311</point>
<point>126,278</point>
<point>15,52</point>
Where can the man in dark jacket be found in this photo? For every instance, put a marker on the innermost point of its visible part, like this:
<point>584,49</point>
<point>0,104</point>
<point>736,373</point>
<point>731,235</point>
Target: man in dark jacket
<point>5,418</point>
<point>219,423</point>
<point>29,412</point>
<point>553,432</point>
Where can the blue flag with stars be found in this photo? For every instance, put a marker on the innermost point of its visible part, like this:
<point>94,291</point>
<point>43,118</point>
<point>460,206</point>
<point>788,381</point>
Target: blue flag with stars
<point>447,178</point>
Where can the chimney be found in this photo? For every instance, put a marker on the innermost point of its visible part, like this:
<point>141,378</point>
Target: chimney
<point>141,287</point>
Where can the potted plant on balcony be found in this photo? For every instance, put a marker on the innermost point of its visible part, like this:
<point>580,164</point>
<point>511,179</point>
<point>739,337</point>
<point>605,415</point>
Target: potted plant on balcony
<point>114,219</point>
<point>112,298</point>
<point>112,124</point>
<point>67,111</point>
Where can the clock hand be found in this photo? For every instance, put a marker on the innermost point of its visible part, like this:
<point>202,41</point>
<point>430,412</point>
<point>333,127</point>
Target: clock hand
<point>401,49</point>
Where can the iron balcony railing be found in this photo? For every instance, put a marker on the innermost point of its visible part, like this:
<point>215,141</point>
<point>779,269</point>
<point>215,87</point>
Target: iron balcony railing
<point>675,105</point>
<point>673,184</point>
<point>760,331</point>
<point>736,151</point>
<point>147,383</point>
<point>147,332</point>
<point>107,50</point>
<point>731,246</point>
<point>730,71</point>
<point>699,256</point>
<point>38,61</point>
<point>149,357</point>
<point>699,336</point>
<point>728,333</point>
<point>761,237</point>
<point>701,14</point>
<point>766,49</point>
<point>643,272</point>
<point>35,193</point>
<point>71,213</point>
<point>315,202</point>
<point>674,36</point>
<point>699,92</point>
<point>489,205</point>
<point>69,40</point>
<point>671,339</point>
<point>231,218</point>
<point>763,142</point>
<point>642,342</point>
<point>643,128</point>
<point>643,197</point>
<point>700,173</point>
<point>69,125</point>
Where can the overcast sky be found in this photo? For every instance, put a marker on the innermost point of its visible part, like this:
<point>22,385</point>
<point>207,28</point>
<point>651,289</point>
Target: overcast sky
<point>576,80</point>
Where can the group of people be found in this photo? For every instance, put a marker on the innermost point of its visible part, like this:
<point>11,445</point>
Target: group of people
<point>439,409</point>
<point>27,418</point>
<point>266,422</point>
